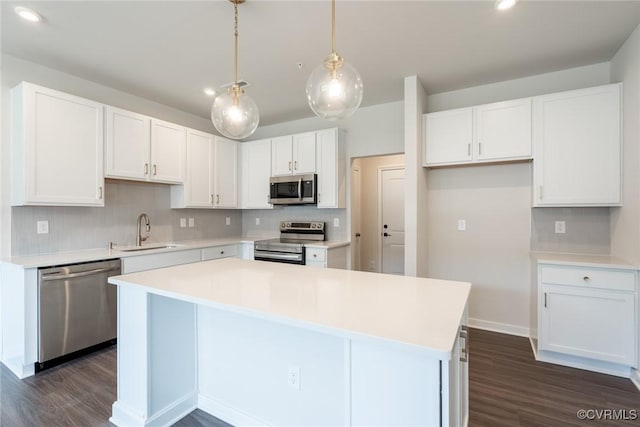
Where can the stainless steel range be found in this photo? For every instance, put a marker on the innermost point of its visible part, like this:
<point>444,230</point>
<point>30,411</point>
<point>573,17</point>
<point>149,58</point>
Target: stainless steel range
<point>289,248</point>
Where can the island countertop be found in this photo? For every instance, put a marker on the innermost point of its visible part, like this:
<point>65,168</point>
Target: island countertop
<point>419,312</point>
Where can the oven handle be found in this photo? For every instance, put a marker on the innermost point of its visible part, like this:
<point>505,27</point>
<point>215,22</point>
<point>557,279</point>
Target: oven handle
<point>293,257</point>
<point>300,188</point>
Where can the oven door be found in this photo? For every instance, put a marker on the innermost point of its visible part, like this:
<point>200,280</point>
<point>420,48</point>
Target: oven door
<point>293,190</point>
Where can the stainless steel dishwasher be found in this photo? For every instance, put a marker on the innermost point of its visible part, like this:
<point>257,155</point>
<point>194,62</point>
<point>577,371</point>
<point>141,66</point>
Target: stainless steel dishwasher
<point>77,310</point>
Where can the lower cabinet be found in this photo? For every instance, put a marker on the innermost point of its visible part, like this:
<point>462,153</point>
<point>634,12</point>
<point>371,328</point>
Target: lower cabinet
<point>217,252</point>
<point>588,312</point>
<point>326,257</point>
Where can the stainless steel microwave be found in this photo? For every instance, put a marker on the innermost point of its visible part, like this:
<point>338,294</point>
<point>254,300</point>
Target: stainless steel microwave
<point>293,190</point>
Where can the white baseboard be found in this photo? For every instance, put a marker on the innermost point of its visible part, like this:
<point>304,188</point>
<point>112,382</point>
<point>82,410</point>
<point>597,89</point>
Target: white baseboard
<point>227,413</point>
<point>635,378</point>
<point>19,369</point>
<point>124,416</point>
<point>504,328</point>
<point>583,363</point>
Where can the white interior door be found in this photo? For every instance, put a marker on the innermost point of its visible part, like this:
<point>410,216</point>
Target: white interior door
<point>356,223</point>
<point>391,214</point>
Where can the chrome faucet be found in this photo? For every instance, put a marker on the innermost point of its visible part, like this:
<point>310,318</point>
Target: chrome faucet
<point>139,238</point>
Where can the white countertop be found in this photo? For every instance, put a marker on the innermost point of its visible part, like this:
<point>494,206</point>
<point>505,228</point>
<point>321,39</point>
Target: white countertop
<point>424,313</point>
<point>85,255</point>
<point>582,260</point>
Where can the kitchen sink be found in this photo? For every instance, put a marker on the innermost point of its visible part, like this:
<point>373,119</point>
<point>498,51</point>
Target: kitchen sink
<point>144,248</point>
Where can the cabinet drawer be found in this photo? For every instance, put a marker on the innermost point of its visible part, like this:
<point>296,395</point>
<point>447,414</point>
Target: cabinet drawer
<point>622,280</point>
<point>219,252</point>
<point>316,255</point>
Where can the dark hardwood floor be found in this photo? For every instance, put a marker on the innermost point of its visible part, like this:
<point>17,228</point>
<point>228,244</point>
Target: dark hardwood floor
<point>507,388</point>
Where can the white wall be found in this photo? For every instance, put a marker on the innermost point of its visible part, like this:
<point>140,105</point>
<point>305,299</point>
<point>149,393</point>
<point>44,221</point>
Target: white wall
<point>625,221</point>
<point>495,201</point>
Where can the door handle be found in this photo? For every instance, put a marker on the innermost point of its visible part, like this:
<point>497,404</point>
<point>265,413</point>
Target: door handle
<point>385,234</point>
<point>357,234</point>
<point>300,189</point>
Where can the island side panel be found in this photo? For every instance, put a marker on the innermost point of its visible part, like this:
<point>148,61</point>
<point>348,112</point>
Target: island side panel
<point>393,385</point>
<point>157,381</point>
<point>244,366</point>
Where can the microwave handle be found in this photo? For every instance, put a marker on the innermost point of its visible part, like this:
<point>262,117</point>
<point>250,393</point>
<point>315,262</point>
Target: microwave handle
<point>300,188</point>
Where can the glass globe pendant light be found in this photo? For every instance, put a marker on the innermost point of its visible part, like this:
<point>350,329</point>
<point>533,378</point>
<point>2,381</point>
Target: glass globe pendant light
<point>234,114</point>
<point>334,88</point>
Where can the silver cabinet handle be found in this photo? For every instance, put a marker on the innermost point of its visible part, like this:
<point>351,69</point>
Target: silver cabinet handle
<point>47,277</point>
<point>212,199</point>
<point>586,278</point>
<point>100,193</point>
<point>146,168</point>
<point>469,150</point>
<point>545,300</point>
<point>289,165</point>
<point>295,165</point>
<point>217,199</point>
<point>540,192</point>
<point>300,188</point>
<point>464,351</point>
<point>155,170</point>
<point>479,148</point>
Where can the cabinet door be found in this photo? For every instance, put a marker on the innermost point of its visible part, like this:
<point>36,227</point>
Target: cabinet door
<point>168,142</point>
<point>198,180</point>
<point>256,170</point>
<point>503,130</point>
<point>304,153</point>
<point>330,165</point>
<point>127,145</point>
<point>225,173</point>
<point>577,148</point>
<point>281,152</point>
<point>57,144</point>
<point>592,323</point>
<point>448,136</point>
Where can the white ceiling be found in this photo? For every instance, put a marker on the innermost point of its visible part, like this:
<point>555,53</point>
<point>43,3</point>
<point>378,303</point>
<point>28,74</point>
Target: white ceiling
<point>168,51</point>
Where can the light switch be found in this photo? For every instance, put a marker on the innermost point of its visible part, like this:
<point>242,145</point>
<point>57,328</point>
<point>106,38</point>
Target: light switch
<point>561,227</point>
<point>462,225</point>
<point>183,222</point>
<point>257,221</point>
<point>336,222</point>
<point>43,227</point>
<point>192,222</point>
<point>227,220</point>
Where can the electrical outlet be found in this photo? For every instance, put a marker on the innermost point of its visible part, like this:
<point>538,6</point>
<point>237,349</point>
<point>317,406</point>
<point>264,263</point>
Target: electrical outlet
<point>336,222</point>
<point>561,227</point>
<point>227,220</point>
<point>462,225</point>
<point>257,221</point>
<point>293,377</point>
<point>192,222</point>
<point>183,222</point>
<point>43,227</point>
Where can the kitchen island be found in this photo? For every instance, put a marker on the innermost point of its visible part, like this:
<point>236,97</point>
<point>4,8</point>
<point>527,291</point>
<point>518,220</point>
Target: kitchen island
<point>257,343</point>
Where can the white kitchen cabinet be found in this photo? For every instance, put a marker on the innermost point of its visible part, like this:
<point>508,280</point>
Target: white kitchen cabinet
<point>588,312</point>
<point>324,257</point>
<point>57,148</point>
<point>496,132</point>
<point>225,172</point>
<point>197,189</point>
<point>577,148</point>
<point>141,148</point>
<point>293,154</point>
<point>217,252</point>
<point>330,158</point>
<point>255,165</point>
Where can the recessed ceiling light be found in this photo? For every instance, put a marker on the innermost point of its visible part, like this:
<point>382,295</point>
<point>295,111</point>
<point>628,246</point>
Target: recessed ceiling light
<point>505,4</point>
<point>208,91</point>
<point>28,14</point>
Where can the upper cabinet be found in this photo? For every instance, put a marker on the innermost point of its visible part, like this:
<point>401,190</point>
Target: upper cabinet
<point>225,173</point>
<point>577,148</point>
<point>57,148</point>
<point>330,157</point>
<point>211,173</point>
<point>294,154</point>
<point>144,149</point>
<point>487,133</point>
<point>255,164</point>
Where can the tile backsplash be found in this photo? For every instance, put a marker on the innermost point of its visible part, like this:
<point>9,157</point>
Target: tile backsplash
<point>270,220</point>
<point>74,228</point>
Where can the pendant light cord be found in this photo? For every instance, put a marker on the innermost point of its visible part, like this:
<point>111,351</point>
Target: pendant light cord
<point>235,63</point>
<point>333,26</point>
